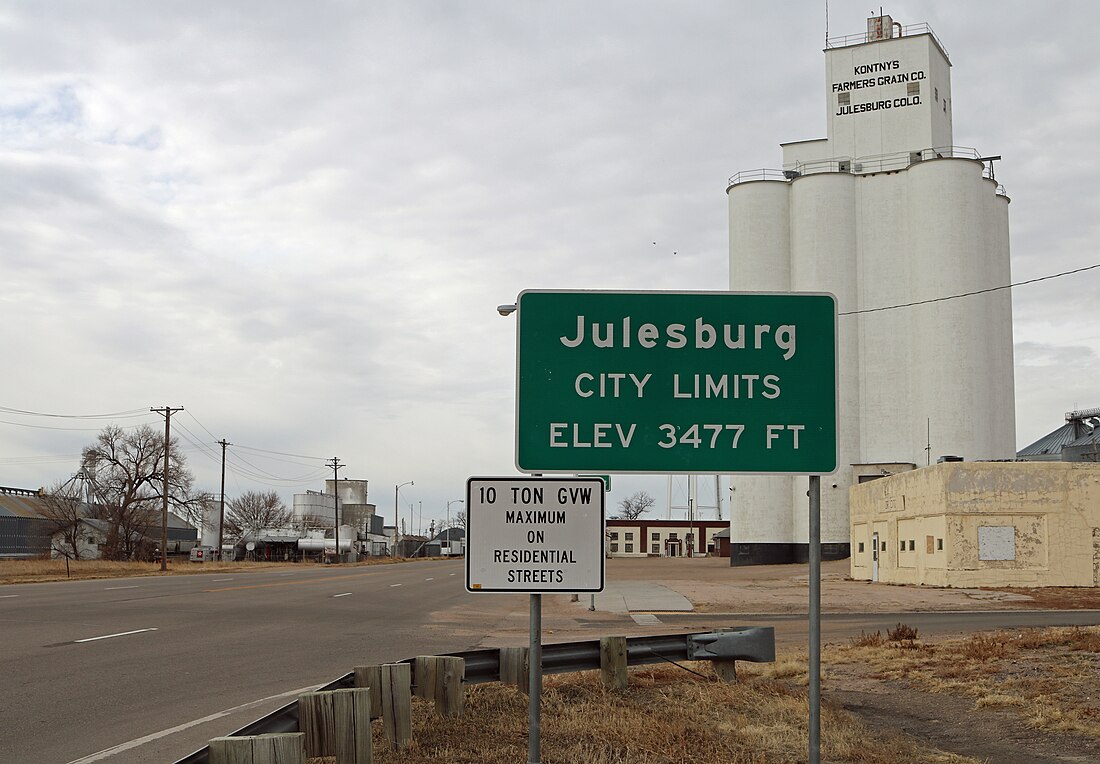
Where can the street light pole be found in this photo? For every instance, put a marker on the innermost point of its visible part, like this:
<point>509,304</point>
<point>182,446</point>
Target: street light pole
<point>397,488</point>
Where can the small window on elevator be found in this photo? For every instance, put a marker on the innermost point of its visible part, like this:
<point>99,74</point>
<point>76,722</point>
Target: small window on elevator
<point>913,89</point>
<point>844,99</point>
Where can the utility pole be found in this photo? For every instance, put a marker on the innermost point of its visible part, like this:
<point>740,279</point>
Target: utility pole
<point>167,411</point>
<point>221,510</point>
<point>335,464</point>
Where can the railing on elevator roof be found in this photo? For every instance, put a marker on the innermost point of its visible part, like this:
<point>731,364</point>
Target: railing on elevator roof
<point>866,37</point>
<point>869,165</point>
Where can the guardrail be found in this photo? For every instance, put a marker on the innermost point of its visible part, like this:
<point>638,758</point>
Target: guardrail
<point>755,644</point>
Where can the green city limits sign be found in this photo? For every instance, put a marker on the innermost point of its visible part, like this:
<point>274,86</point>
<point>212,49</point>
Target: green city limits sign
<point>676,382</point>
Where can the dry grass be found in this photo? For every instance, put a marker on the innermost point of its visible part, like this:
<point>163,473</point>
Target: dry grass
<point>667,716</point>
<point>1046,676</point>
<point>34,571</point>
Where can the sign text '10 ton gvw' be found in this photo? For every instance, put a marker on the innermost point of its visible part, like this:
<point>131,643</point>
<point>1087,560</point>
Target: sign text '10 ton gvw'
<point>676,382</point>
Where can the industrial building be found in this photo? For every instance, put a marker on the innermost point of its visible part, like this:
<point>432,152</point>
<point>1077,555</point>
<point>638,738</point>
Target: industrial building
<point>980,524</point>
<point>884,211</point>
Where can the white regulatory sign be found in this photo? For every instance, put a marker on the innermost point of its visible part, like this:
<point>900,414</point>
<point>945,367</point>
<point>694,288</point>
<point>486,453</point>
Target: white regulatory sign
<point>534,534</point>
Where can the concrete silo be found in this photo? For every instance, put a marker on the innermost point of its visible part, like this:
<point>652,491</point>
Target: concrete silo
<point>883,212</point>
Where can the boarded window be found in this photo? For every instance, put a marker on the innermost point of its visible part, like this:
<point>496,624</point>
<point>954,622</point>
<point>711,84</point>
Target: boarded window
<point>614,547</point>
<point>996,542</point>
<point>656,549</point>
<point>630,548</point>
<point>929,544</point>
<point>614,536</point>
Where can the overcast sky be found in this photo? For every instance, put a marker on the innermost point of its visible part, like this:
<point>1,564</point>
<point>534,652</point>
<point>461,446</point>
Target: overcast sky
<point>296,219</point>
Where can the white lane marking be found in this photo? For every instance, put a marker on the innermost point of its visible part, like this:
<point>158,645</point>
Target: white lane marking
<point>109,636</point>
<point>112,588</point>
<point>7,596</point>
<point>286,574</point>
<point>393,585</point>
<point>429,579</point>
<point>222,579</point>
<point>453,574</point>
<point>109,752</point>
<point>345,594</point>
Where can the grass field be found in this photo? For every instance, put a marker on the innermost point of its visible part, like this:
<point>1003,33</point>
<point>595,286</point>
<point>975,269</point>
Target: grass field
<point>1042,679</point>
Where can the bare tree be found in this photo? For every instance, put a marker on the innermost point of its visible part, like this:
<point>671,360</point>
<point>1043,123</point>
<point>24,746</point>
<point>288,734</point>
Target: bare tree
<point>63,509</point>
<point>254,510</point>
<point>634,506</point>
<point>126,470</point>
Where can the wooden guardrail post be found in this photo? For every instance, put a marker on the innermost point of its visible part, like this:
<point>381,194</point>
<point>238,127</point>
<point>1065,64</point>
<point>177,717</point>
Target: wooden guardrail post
<point>440,678</point>
<point>370,677</point>
<point>613,662</point>
<point>514,665</point>
<point>336,723</point>
<point>397,704</point>
<point>286,748</point>
<point>725,670</point>
<point>353,731</point>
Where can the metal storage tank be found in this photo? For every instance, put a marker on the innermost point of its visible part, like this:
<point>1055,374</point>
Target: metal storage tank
<point>760,261</point>
<point>824,245</point>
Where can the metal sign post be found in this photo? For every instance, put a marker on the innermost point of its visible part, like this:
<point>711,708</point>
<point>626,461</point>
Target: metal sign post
<point>534,687</point>
<point>815,619</point>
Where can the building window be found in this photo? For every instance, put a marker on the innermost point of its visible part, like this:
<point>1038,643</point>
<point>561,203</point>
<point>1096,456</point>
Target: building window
<point>884,546</point>
<point>913,89</point>
<point>656,549</point>
<point>861,546</point>
<point>672,536</point>
<point>656,536</point>
<point>912,545</point>
<point>901,546</point>
<point>936,91</point>
<point>614,547</point>
<point>844,99</point>
<point>939,545</point>
<point>628,536</point>
<point>614,536</point>
<point>629,548</point>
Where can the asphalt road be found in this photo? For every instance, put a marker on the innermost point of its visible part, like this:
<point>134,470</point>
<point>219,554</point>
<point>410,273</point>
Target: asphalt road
<point>200,645</point>
<point>149,669</point>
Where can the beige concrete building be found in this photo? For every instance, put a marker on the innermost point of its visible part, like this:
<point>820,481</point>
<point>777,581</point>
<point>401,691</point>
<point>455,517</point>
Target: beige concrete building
<point>980,524</point>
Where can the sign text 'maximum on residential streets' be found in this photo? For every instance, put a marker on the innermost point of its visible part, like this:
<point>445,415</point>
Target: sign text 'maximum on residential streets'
<point>676,382</point>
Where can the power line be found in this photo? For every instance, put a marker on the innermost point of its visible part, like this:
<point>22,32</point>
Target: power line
<point>67,429</point>
<point>116,415</point>
<point>971,294</point>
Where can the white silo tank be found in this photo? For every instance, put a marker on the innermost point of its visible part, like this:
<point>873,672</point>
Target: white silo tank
<point>884,336</point>
<point>953,233</point>
<point>760,261</point>
<point>824,242</point>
